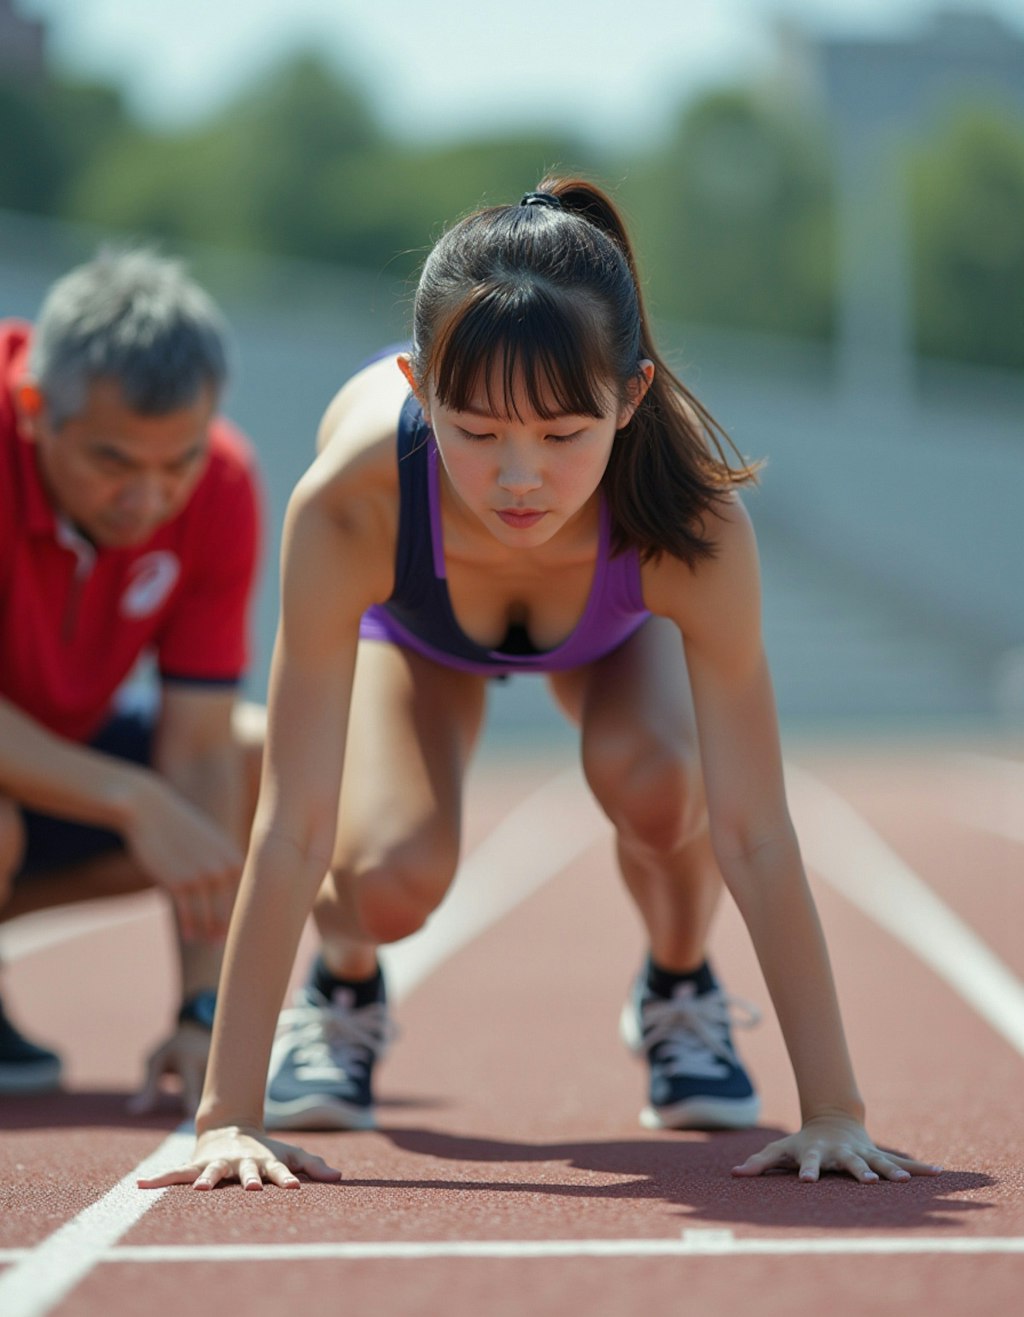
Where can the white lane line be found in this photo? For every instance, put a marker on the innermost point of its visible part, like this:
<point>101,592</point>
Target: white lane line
<point>848,854</point>
<point>38,1281</point>
<point>531,844</point>
<point>694,1243</point>
<point>991,797</point>
<point>51,928</point>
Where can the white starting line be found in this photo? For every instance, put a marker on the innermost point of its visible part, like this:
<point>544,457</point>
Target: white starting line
<point>549,829</point>
<point>693,1244</point>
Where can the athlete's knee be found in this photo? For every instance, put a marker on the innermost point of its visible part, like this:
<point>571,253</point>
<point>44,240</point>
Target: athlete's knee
<point>652,792</point>
<point>12,846</point>
<point>394,896</point>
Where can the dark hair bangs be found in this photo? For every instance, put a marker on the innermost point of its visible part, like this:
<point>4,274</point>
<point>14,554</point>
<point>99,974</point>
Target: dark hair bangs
<point>524,348</point>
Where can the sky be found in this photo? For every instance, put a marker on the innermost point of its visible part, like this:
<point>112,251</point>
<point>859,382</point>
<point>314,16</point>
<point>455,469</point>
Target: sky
<point>610,70</point>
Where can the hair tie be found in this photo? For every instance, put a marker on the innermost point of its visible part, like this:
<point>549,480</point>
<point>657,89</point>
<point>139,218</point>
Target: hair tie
<point>541,199</point>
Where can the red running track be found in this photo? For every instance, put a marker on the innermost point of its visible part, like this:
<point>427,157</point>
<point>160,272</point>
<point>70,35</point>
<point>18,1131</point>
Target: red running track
<point>509,1175</point>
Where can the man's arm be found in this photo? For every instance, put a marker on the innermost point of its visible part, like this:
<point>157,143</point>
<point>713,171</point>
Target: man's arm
<point>198,754</point>
<point>44,771</point>
<point>175,843</point>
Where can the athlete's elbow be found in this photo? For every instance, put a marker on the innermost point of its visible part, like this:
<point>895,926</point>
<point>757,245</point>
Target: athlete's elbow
<point>753,860</point>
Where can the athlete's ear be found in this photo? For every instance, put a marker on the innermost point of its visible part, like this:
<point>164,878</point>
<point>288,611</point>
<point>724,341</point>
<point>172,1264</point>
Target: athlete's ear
<point>635,391</point>
<point>405,366</point>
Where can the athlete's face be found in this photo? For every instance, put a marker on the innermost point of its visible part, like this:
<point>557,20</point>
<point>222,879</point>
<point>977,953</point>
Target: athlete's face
<point>525,476</point>
<point>118,475</point>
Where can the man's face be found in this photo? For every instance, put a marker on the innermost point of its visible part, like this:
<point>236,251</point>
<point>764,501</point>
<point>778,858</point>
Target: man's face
<point>117,475</point>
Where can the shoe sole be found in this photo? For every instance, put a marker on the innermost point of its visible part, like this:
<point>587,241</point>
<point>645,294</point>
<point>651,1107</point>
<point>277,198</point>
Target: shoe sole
<point>704,1114</point>
<point>629,1030</point>
<point>320,1113</point>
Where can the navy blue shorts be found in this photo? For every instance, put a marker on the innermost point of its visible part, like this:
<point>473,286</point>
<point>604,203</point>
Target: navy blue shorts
<point>51,842</point>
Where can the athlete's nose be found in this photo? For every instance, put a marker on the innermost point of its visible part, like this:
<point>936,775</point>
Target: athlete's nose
<point>517,473</point>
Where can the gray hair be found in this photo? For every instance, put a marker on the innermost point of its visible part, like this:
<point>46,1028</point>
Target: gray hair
<point>134,317</point>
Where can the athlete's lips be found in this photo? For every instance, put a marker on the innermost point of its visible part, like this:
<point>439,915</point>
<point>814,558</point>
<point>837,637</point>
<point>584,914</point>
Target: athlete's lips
<point>520,518</point>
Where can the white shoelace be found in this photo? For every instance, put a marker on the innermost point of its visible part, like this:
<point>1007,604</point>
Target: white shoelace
<point>330,1043</point>
<point>694,1031</point>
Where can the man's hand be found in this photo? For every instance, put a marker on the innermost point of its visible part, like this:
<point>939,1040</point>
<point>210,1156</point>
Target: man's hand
<point>187,853</point>
<point>184,1054</point>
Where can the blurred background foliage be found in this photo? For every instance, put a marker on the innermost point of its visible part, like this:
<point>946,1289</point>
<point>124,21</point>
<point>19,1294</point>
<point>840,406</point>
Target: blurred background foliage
<point>733,211</point>
<point>968,208</point>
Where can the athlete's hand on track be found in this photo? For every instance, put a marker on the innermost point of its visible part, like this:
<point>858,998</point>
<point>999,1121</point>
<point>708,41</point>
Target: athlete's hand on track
<point>184,1054</point>
<point>833,1143</point>
<point>233,1153</point>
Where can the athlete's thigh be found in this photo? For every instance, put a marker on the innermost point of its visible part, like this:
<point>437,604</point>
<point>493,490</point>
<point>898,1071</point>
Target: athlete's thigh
<point>412,727</point>
<point>640,691</point>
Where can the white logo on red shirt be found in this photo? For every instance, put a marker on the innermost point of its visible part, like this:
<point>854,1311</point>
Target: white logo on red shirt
<point>153,577</point>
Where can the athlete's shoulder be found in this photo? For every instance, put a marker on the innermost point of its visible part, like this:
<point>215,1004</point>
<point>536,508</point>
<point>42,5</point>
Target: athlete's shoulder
<point>345,507</point>
<point>728,573</point>
<point>364,412</point>
<point>357,444</point>
<point>353,481</point>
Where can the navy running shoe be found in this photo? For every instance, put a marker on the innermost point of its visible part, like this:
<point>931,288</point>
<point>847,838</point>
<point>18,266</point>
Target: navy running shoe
<point>25,1067</point>
<point>696,1079</point>
<point>321,1065</point>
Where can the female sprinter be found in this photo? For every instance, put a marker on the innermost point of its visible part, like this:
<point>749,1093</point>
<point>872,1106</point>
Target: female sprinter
<point>529,489</point>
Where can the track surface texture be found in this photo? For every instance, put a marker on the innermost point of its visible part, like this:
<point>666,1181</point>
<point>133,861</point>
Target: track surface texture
<point>509,1174</point>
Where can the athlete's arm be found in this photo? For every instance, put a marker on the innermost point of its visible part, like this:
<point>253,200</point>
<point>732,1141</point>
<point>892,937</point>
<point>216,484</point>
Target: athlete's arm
<point>717,609</point>
<point>337,560</point>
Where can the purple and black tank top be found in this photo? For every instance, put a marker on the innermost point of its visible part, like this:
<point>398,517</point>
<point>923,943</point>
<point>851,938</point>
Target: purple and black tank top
<point>419,615</point>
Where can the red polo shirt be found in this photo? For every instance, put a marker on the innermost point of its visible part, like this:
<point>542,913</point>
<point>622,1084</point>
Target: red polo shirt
<point>74,619</point>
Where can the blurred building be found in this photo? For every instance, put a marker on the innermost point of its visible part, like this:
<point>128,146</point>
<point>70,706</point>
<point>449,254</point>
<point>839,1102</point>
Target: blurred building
<point>22,45</point>
<point>881,93</point>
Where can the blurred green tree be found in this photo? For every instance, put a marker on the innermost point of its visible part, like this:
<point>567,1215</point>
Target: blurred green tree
<point>297,166</point>
<point>392,204</point>
<point>737,218</point>
<point>253,177</point>
<point>49,132</point>
<point>968,224</point>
